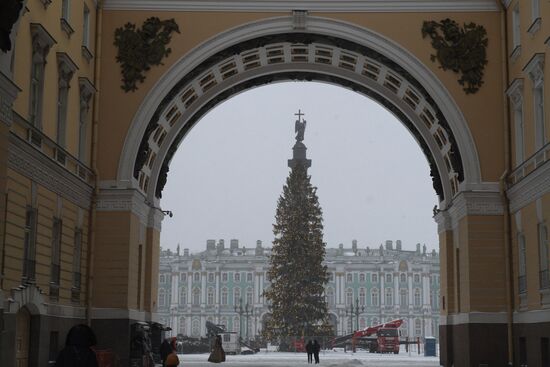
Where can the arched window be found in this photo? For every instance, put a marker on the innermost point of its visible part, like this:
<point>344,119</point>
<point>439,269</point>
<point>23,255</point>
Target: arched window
<point>196,297</point>
<point>403,278</point>
<point>330,297</point>
<point>362,297</point>
<point>210,297</point>
<point>183,296</point>
<point>162,278</point>
<point>237,277</point>
<point>236,324</point>
<point>248,277</point>
<point>349,278</point>
<point>162,298</point>
<point>349,296</point>
<point>374,297</point>
<point>362,277</point>
<point>183,277</point>
<point>181,327</point>
<point>389,296</point>
<point>249,296</point>
<point>196,329</point>
<point>197,277</point>
<point>417,297</point>
<point>236,296</point>
<point>224,296</point>
<point>404,297</point>
<point>417,327</point>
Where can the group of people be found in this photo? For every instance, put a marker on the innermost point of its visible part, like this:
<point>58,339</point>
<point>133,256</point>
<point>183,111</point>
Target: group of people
<point>312,350</point>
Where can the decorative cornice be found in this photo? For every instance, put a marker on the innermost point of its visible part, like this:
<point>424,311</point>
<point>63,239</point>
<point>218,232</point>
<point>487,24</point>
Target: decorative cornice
<point>535,69</point>
<point>87,90</point>
<point>469,203</point>
<point>33,164</point>
<point>515,92</point>
<point>8,94</point>
<point>532,317</point>
<point>66,68</point>
<point>113,200</point>
<point>474,318</point>
<point>530,188</point>
<point>310,5</point>
<point>42,40</point>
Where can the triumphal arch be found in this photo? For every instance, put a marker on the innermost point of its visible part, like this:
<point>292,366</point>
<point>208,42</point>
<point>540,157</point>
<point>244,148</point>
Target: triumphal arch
<point>97,95</point>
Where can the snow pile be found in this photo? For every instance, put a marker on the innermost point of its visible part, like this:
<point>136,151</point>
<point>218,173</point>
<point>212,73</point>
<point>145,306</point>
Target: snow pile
<point>350,363</point>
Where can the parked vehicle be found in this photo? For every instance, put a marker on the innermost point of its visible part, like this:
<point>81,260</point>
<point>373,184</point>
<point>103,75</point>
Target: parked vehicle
<point>381,338</point>
<point>230,342</point>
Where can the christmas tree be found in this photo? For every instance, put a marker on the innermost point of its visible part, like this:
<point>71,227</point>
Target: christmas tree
<point>297,274</point>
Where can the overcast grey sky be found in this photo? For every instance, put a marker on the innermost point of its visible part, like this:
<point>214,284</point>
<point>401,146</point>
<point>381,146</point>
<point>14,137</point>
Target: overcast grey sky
<point>373,180</point>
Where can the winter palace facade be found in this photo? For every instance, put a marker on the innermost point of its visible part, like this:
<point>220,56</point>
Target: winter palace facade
<point>386,283</point>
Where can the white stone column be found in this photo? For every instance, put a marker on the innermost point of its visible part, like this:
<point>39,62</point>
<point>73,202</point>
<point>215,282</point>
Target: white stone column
<point>410,280</point>
<point>428,326</point>
<point>262,283</point>
<point>189,290</point>
<point>203,288</point>
<point>426,289</point>
<point>396,298</point>
<point>217,287</point>
<point>175,287</point>
<point>382,290</point>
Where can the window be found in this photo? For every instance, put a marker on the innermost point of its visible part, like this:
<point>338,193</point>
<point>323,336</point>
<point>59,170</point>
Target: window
<point>375,278</point>
<point>374,297</point>
<point>57,226</point>
<point>41,43</point>
<point>516,31</point>
<point>248,277</point>
<point>181,326</point>
<point>417,297</point>
<point>522,266</point>
<point>362,277</point>
<point>543,256</point>
<point>224,277</point>
<point>237,296</point>
<point>65,70</point>
<point>349,296</point>
<point>183,277</point>
<point>519,135</point>
<point>403,278</point>
<point>330,297</point>
<point>237,277</point>
<point>183,296</point>
<point>331,277</point>
<point>196,277</point>
<point>162,279</point>
<point>538,99</point>
<point>403,297</point>
<point>224,296</point>
<point>388,278</point>
<point>236,324</point>
<point>417,327</point>
<point>417,278</point>
<point>362,297</point>
<point>162,298</point>
<point>77,258</point>
<point>389,296</point>
<point>349,278</point>
<point>196,330</point>
<point>535,10</point>
<point>65,9</point>
<point>210,277</point>
<point>196,297</point>
<point>249,296</point>
<point>210,296</point>
<point>29,254</point>
<point>86,28</point>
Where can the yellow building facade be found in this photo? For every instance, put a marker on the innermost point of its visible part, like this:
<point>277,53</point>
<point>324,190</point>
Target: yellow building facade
<point>94,105</point>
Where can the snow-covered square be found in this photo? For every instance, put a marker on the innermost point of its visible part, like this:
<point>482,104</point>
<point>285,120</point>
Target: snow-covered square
<point>327,359</point>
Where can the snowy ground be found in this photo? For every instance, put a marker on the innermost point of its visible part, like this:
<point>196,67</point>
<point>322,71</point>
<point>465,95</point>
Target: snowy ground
<point>327,359</point>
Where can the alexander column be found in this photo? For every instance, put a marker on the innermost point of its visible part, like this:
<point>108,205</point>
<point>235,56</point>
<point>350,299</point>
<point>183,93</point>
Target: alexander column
<point>299,149</point>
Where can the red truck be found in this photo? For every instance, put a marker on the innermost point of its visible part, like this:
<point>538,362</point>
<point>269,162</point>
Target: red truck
<point>382,338</point>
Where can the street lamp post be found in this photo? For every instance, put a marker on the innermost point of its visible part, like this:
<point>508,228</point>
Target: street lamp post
<point>247,312</point>
<point>357,310</point>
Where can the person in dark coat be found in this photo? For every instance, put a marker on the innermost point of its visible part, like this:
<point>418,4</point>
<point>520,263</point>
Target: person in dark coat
<point>316,350</point>
<point>167,347</point>
<point>309,351</point>
<point>78,348</point>
<point>218,354</point>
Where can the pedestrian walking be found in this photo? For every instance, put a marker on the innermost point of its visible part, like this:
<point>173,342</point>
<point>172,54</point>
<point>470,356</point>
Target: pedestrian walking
<point>78,348</point>
<point>316,350</point>
<point>218,354</point>
<point>309,351</point>
<point>167,347</point>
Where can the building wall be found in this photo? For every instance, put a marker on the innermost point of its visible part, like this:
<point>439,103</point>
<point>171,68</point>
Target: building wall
<point>362,273</point>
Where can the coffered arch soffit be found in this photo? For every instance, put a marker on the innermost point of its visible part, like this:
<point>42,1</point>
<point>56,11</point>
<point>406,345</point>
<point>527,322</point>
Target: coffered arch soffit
<point>273,50</point>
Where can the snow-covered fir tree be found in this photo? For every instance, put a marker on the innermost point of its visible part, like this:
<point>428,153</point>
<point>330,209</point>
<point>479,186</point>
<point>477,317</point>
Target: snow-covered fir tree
<point>297,273</point>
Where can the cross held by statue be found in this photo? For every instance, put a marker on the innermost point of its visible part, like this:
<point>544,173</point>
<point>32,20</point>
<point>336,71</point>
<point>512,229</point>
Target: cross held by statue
<point>299,114</point>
